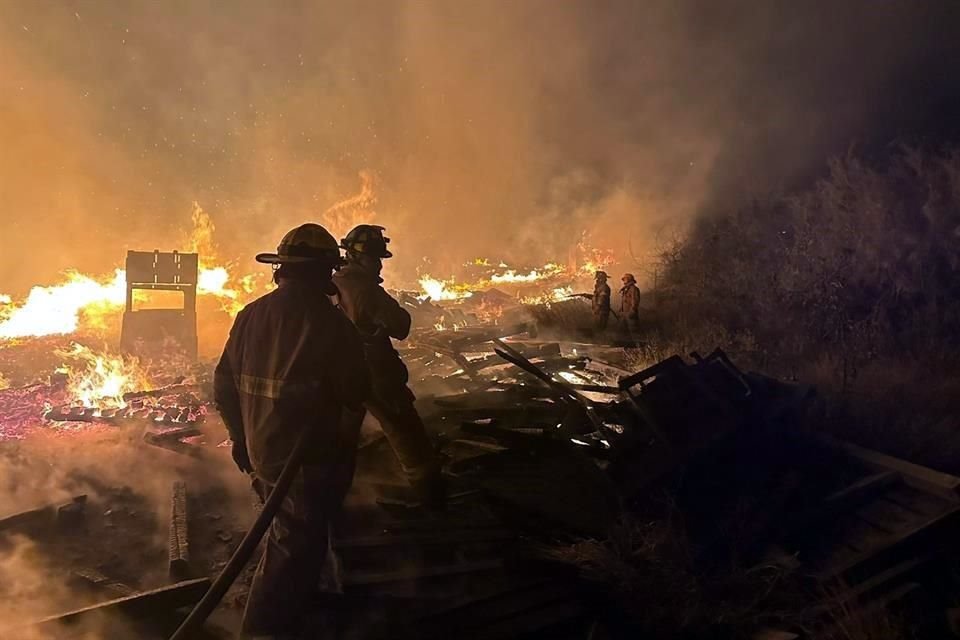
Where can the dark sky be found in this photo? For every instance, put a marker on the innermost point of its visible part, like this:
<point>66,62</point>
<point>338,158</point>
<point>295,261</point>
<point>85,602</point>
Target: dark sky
<point>494,128</point>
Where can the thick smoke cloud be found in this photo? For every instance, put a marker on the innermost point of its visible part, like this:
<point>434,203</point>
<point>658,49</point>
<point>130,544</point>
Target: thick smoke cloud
<point>493,128</point>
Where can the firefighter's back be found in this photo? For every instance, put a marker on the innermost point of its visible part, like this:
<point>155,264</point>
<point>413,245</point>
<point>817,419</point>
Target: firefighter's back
<point>289,351</point>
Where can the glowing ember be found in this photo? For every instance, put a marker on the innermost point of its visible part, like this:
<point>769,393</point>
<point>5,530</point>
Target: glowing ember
<point>99,379</point>
<point>442,326</point>
<point>489,312</point>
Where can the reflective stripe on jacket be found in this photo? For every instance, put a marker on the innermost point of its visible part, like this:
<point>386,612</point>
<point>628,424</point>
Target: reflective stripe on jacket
<point>292,361</point>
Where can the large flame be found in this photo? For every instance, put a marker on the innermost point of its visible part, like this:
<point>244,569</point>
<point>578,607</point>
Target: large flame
<point>555,278</point>
<point>549,270</point>
<point>57,310</point>
<point>443,289</point>
<point>554,295</point>
<point>100,380</point>
<point>86,300</point>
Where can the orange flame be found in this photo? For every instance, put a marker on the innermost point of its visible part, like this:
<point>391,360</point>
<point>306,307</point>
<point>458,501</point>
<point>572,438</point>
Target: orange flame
<point>82,299</point>
<point>56,310</point>
<point>551,274</point>
<point>100,380</point>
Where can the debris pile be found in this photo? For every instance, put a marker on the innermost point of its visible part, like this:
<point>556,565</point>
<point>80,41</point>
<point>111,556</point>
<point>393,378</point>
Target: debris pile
<point>547,444</point>
<point>551,444</point>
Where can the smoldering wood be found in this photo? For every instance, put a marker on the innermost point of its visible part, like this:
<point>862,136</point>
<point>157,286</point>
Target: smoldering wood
<point>179,543</point>
<point>155,603</point>
<point>93,578</point>
<point>47,515</point>
<point>173,444</point>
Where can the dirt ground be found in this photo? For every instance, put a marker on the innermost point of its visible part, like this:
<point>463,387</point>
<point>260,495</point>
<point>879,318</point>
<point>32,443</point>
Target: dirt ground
<point>123,531</point>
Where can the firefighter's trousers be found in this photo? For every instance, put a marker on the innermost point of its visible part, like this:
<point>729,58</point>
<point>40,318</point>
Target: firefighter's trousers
<point>287,578</point>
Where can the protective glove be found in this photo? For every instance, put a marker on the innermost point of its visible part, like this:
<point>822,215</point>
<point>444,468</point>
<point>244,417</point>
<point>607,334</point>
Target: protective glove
<point>241,457</point>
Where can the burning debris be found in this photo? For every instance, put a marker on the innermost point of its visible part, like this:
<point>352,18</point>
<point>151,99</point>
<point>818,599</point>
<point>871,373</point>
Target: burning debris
<point>545,444</point>
<point>537,285</point>
<point>546,441</point>
<point>100,380</point>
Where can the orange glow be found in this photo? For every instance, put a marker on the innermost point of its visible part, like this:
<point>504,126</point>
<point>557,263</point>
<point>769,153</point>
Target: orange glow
<point>99,380</point>
<point>56,310</point>
<point>85,301</point>
<point>556,279</point>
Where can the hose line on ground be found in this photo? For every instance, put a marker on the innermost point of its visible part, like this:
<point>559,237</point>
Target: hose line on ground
<point>249,543</point>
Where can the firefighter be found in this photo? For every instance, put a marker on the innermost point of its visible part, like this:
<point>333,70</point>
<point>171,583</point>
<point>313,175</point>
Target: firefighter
<point>601,302</point>
<point>293,362</point>
<point>630,303</point>
<point>380,318</point>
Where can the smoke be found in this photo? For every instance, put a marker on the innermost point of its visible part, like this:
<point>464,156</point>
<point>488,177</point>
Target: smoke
<point>128,485</point>
<point>505,129</point>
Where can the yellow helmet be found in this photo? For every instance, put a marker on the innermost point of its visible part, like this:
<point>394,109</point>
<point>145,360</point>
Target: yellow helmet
<point>307,243</point>
<point>367,239</point>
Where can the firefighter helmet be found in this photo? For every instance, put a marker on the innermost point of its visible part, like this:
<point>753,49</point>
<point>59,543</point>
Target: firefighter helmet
<point>628,278</point>
<point>367,239</point>
<point>307,243</point>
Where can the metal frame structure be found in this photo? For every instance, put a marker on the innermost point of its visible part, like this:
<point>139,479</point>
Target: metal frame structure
<point>161,271</point>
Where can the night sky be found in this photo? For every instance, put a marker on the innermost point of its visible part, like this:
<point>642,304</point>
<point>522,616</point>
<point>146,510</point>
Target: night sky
<point>494,128</point>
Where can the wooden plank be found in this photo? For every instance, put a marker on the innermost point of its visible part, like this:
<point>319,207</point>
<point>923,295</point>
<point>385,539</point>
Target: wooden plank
<point>774,634</point>
<point>948,518</point>
<point>177,433</point>
<point>45,515</point>
<point>94,578</point>
<point>509,437</point>
<point>607,369</point>
<point>887,513</point>
<point>148,604</point>
<point>915,475</point>
<point>426,539</point>
<point>596,388</point>
<point>477,444</point>
<point>883,579</point>
<point>918,501</point>
<point>843,500</point>
<point>560,387</point>
<point>179,543</point>
<point>413,574</point>
<point>172,444</point>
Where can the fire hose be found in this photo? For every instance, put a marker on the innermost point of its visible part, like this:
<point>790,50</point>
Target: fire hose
<point>249,543</point>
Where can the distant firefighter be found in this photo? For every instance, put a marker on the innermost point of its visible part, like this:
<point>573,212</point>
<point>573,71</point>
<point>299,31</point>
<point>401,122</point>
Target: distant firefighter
<point>380,318</point>
<point>601,302</point>
<point>630,302</point>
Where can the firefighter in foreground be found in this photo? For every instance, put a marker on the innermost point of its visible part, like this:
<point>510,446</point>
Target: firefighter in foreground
<point>601,302</point>
<point>379,318</point>
<point>293,362</point>
<point>630,303</point>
